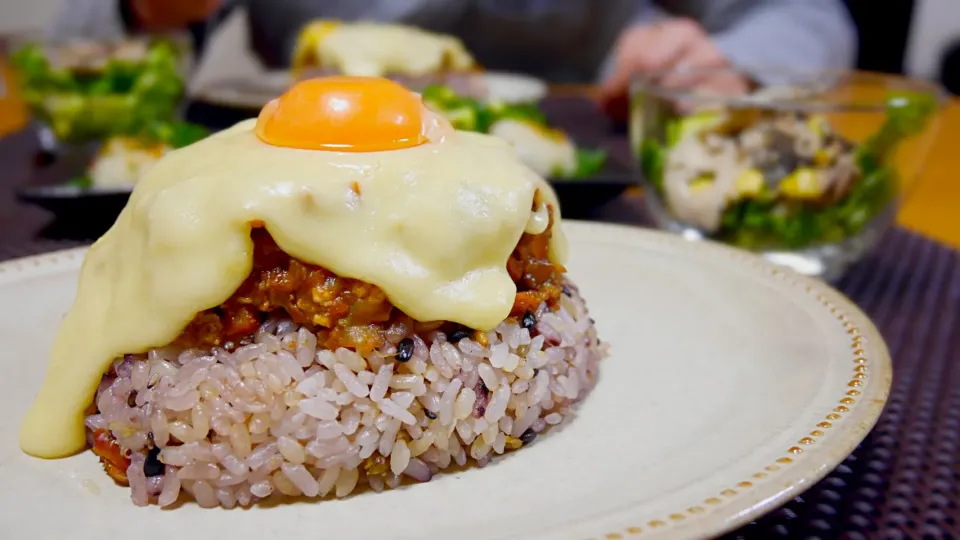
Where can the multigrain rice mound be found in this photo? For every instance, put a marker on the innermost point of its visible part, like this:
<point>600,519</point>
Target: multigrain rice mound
<point>277,416</point>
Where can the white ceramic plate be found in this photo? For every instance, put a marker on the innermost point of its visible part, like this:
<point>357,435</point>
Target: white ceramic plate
<point>732,387</point>
<point>253,92</point>
<point>513,87</point>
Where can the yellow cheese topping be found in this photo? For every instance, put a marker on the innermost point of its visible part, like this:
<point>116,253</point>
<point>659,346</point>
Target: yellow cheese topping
<point>378,49</point>
<point>433,226</point>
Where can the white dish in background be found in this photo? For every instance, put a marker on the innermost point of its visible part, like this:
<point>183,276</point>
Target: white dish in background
<point>245,92</point>
<point>732,386</point>
<point>514,88</point>
<point>253,92</point>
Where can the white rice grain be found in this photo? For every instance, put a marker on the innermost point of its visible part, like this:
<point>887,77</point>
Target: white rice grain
<point>350,381</point>
<point>280,416</point>
<point>301,477</point>
<point>171,487</point>
<point>498,355</point>
<point>498,404</point>
<point>394,410</point>
<point>346,482</point>
<point>489,376</point>
<point>204,495</point>
<point>306,347</point>
<point>381,383</point>
<point>327,480</point>
<point>351,359</point>
<point>319,408</point>
<point>400,457</point>
<point>291,450</point>
<point>463,406</point>
<point>446,401</point>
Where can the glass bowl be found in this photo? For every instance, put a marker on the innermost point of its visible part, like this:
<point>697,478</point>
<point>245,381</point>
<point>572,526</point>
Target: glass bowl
<point>806,168</point>
<point>81,92</point>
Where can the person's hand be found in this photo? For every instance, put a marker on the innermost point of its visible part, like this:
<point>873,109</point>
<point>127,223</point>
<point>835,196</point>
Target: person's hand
<point>171,14</point>
<point>668,45</point>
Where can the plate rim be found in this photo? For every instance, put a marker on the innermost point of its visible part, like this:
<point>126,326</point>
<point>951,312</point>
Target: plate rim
<point>866,409</point>
<point>870,383</point>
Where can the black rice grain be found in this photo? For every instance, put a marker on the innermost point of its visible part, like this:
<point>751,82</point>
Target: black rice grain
<point>528,436</point>
<point>405,350</point>
<point>529,321</point>
<point>457,335</point>
<point>152,466</point>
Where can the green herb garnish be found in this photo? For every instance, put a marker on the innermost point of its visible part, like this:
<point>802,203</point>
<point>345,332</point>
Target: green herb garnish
<point>590,161</point>
<point>174,134</point>
<point>652,158</point>
<point>82,182</point>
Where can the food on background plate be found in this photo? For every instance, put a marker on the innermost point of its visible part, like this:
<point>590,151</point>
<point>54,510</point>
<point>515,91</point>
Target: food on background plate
<point>343,292</point>
<point>775,178</point>
<point>122,160</point>
<point>91,90</point>
<point>547,150</point>
<point>412,56</point>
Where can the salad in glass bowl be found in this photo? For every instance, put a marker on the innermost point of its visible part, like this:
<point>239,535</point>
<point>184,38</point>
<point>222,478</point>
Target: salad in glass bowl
<point>808,171</point>
<point>85,91</point>
<point>547,150</point>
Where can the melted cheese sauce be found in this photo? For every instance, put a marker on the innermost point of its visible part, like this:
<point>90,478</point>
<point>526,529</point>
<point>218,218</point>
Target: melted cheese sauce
<point>433,226</point>
<point>379,49</point>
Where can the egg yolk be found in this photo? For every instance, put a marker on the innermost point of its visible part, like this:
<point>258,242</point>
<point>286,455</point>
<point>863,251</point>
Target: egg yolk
<point>345,114</point>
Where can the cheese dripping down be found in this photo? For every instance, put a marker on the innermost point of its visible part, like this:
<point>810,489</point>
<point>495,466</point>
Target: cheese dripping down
<point>432,225</point>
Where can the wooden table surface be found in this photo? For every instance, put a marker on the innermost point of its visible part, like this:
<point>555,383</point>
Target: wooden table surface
<point>933,209</point>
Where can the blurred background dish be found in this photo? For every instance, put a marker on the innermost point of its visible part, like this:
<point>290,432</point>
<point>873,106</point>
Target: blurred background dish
<point>808,169</point>
<point>254,91</point>
<point>245,92</point>
<point>378,49</point>
<point>406,54</point>
<point>87,190</point>
<point>544,148</point>
<point>82,91</point>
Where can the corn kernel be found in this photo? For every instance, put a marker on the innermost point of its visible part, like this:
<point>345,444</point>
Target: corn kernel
<point>821,158</point>
<point>700,184</point>
<point>816,123</point>
<point>749,183</point>
<point>801,184</point>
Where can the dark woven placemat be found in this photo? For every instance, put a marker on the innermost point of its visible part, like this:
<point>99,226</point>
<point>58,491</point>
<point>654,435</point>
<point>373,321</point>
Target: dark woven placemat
<point>904,480</point>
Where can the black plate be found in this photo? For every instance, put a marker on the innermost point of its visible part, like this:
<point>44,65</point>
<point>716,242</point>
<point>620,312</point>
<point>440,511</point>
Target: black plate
<point>580,196</point>
<point>80,213</point>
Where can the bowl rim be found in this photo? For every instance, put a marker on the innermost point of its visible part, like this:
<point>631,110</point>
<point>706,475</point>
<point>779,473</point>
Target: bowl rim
<point>819,80</point>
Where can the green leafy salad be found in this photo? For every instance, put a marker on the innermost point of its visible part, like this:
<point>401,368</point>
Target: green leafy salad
<point>547,150</point>
<point>88,91</point>
<point>761,179</point>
